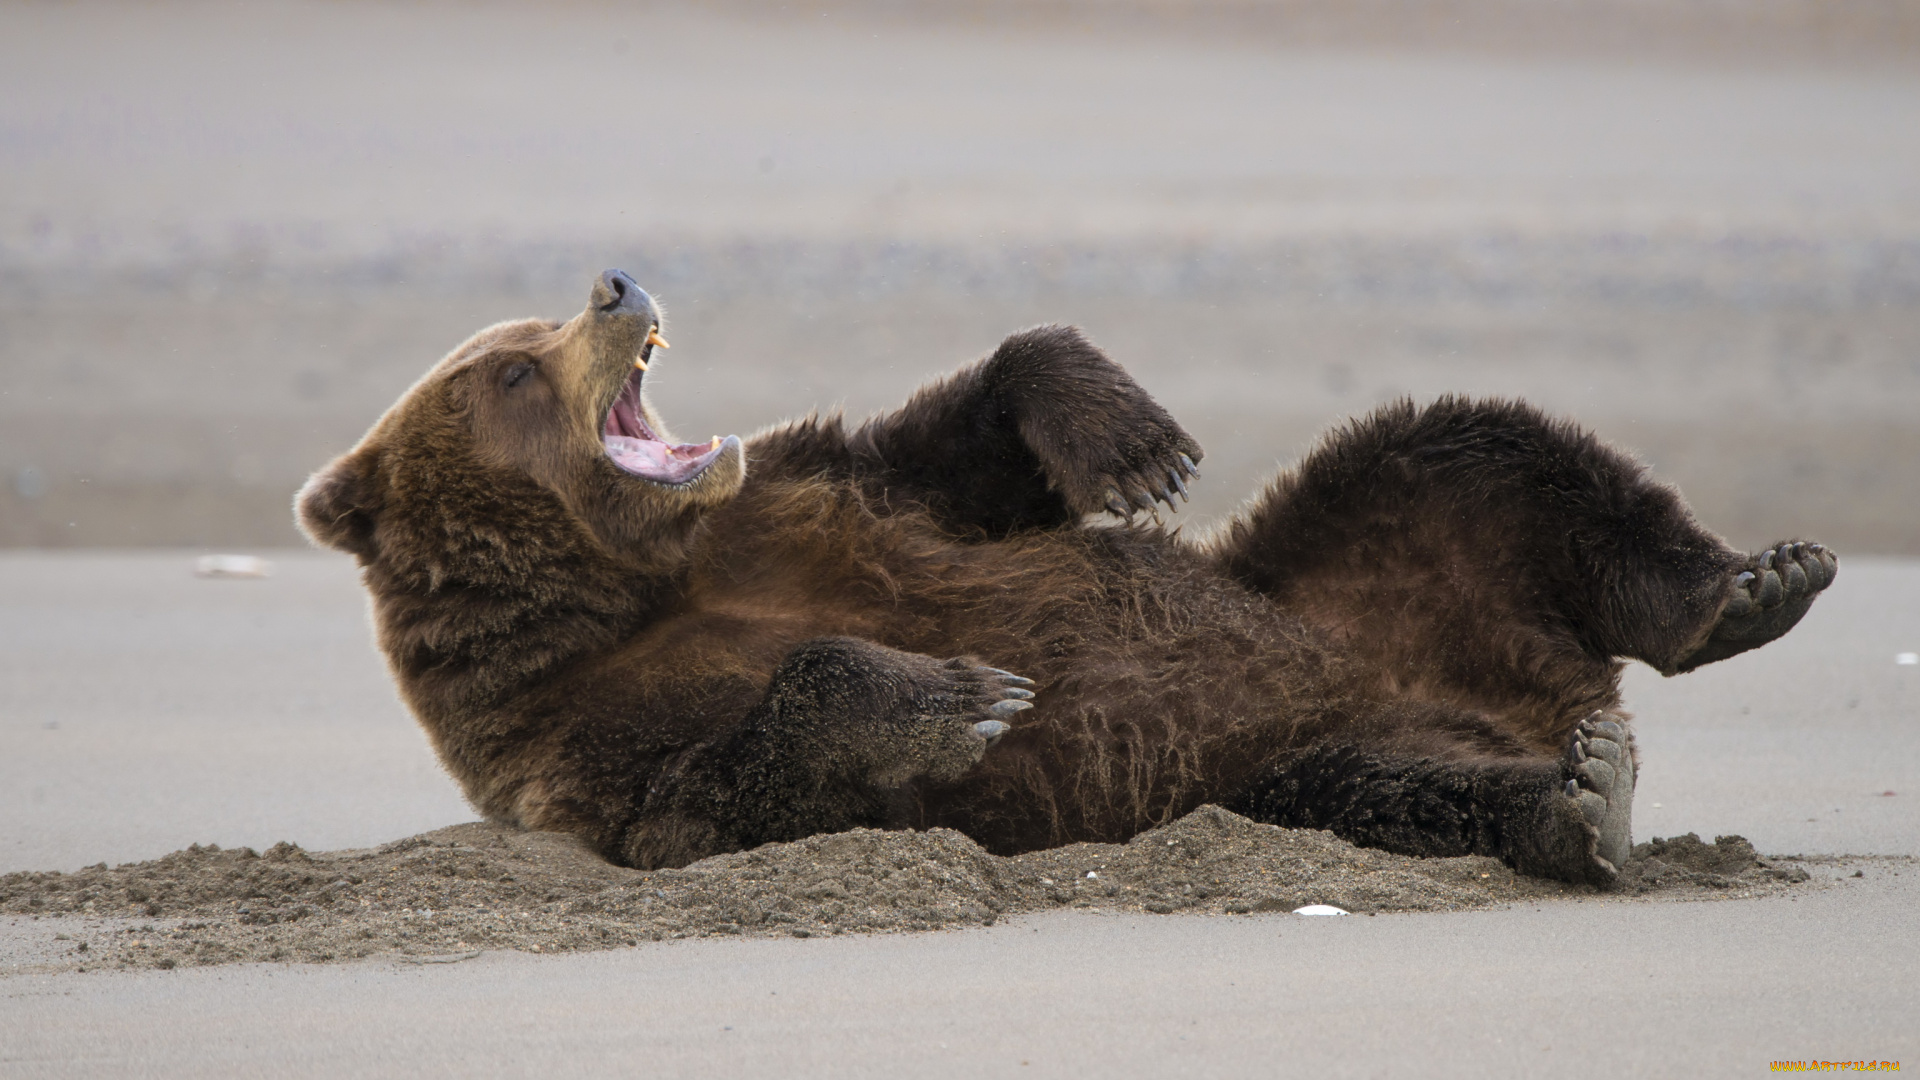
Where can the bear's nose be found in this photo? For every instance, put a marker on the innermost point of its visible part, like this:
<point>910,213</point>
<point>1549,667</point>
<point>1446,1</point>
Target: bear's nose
<point>615,291</point>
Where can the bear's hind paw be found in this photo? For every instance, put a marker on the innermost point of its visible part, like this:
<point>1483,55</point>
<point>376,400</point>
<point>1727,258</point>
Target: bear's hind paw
<point>1600,778</point>
<point>1766,599</point>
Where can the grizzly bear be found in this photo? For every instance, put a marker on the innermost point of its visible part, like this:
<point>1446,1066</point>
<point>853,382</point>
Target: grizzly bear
<point>965,613</point>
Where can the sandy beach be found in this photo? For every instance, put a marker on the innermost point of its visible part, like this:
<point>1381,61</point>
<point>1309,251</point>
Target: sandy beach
<point>1572,989</point>
<point>149,710</point>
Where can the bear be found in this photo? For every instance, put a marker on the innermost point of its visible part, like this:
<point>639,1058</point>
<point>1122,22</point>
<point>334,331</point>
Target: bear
<point>967,613</point>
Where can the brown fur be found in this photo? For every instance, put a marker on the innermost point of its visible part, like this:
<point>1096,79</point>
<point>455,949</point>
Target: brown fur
<point>1397,641</point>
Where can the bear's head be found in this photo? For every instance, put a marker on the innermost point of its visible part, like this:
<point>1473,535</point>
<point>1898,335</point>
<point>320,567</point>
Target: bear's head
<point>531,442</point>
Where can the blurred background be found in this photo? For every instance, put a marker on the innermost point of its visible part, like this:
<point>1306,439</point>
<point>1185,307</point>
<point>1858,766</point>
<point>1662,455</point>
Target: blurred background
<point>231,234</point>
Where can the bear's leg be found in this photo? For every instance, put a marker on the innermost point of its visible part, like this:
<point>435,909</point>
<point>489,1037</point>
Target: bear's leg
<point>844,725</point>
<point>1043,431</point>
<point>1479,553</point>
<point>1568,817</point>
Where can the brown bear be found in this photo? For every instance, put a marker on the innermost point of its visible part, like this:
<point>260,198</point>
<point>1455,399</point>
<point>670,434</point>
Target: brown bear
<point>1413,639</point>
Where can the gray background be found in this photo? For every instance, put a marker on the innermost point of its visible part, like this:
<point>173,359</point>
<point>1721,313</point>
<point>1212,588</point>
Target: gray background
<point>231,234</point>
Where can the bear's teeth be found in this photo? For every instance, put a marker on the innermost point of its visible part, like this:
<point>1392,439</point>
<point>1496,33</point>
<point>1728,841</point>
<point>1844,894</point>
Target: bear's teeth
<point>715,445</point>
<point>653,338</point>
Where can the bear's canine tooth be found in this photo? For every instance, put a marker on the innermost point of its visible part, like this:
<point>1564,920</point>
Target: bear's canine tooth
<point>715,444</point>
<point>653,338</point>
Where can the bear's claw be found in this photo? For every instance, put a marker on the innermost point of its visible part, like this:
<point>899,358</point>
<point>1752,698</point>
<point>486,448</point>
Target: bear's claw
<point>1012,698</point>
<point>1765,600</point>
<point>962,709</point>
<point>991,730</point>
<point>1145,489</point>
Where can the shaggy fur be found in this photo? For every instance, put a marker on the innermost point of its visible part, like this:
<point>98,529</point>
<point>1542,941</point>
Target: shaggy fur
<point>1404,640</point>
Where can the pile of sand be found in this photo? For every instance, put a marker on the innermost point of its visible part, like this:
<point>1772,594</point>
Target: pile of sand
<point>451,893</point>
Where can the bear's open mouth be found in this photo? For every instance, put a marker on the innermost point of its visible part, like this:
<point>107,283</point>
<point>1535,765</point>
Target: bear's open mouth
<point>633,446</point>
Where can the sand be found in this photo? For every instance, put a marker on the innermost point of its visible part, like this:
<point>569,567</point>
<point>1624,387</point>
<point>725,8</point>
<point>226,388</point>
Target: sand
<point>450,894</point>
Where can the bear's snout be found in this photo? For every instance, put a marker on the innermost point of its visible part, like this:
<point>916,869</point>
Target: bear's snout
<point>616,292</point>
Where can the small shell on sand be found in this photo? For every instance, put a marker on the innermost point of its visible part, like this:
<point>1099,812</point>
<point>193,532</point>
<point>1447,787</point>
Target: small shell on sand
<point>231,566</point>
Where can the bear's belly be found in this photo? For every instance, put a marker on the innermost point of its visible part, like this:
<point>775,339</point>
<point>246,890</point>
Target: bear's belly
<point>1153,673</point>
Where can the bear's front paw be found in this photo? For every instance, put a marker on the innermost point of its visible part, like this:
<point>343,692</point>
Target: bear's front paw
<point>1145,488</point>
<point>961,708</point>
<point>1127,466</point>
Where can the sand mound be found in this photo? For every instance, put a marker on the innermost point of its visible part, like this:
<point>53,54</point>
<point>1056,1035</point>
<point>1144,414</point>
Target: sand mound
<point>451,893</point>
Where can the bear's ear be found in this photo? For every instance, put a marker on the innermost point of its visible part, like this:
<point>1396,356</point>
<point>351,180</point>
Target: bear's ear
<point>338,505</point>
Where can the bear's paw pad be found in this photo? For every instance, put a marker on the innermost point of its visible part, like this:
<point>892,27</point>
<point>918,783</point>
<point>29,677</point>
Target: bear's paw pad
<point>1766,599</point>
<point>1600,770</point>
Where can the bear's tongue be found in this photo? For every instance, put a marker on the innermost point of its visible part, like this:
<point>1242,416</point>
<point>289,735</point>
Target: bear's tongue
<point>660,462</point>
<point>633,446</point>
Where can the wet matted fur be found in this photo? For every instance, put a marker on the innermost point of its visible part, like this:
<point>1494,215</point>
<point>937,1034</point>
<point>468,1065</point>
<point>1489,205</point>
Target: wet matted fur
<point>1413,639</point>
